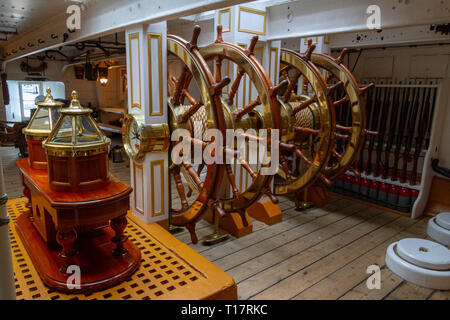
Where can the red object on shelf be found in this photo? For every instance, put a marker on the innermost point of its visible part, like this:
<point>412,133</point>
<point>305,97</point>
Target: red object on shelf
<point>393,189</point>
<point>405,192</point>
<point>365,182</point>
<point>374,185</point>
<point>414,195</point>
<point>356,180</point>
<point>404,199</point>
<point>383,187</point>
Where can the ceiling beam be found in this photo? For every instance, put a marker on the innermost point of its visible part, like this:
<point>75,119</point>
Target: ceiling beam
<point>104,17</point>
<point>315,18</point>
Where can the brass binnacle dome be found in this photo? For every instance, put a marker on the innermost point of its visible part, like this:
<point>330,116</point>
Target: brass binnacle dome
<point>76,133</point>
<point>44,118</point>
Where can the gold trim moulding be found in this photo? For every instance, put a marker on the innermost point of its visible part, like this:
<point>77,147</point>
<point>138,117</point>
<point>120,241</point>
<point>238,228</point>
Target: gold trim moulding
<point>140,167</point>
<point>254,11</point>
<point>221,11</point>
<point>37,136</point>
<point>130,37</point>
<point>77,151</point>
<point>153,164</point>
<point>158,37</point>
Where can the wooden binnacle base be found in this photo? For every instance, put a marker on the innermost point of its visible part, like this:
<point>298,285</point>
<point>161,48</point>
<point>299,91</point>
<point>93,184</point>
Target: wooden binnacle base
<point>102,258</point>
<point>78,174</point>
<point>36,154</point>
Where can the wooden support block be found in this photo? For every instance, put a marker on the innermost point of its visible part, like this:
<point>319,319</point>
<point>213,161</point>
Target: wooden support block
<point>232,223</point>
<point>317,195</point>
<point>266,212</point>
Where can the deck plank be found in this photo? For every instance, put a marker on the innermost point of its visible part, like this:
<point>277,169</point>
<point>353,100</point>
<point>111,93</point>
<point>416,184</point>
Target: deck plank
<point>268,270</point>
<point>353,273</point>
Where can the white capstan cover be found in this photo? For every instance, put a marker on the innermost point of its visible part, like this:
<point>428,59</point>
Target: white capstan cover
<point>437,232</point>
<point>443,219</point>
<point>429,278</point>
<point>424,253</point>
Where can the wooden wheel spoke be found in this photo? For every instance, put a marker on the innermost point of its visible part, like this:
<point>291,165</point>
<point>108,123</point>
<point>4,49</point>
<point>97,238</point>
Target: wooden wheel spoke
<point>300,154</point>
<point>331,89</point>
<point>232,180</point>
<point>218,69</point>
<point>185,87</point>
<point>180,188</point>
<point>330,77</point>
<point>341,102</point>
<point>271,196</point>
<point>325,180</point>
<point>296,150</point>
<point>336,154</point>
<point>290,87</point>
<point>247,167</point>
<point>341,136</point>
<point>285,167</point>
<point>251,137</point>
<point>192,110</point>
<point>343,128</point>
<point>371,133</point>
<point>193,174</point>
<point>285,74</point>
<point>304,105</point>
<point>341,57</point>
<point>179,84</point>
<point>199,171</point>
<point>198,142</point>
<point>306,130</point>
<point>242,162</point>
<point>248,108</point>
<point>235,85</point>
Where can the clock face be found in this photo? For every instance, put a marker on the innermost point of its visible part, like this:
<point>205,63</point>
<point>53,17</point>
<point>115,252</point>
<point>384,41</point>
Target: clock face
<point>135,137</point>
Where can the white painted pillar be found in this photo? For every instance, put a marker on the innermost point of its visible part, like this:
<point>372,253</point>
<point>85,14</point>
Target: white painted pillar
<point>7,286</point>
<point>146,51</point>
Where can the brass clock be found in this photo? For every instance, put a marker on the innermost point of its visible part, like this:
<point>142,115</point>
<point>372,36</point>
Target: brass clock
<point>139,138</point>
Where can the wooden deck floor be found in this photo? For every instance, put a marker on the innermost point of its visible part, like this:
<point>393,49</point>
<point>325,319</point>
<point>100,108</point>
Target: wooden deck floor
<point>321,253</point>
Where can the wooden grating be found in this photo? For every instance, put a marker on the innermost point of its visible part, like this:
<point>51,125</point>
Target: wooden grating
<point>169,269</point>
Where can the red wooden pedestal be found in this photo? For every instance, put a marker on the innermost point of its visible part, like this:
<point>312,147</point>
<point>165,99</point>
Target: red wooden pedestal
<point>69,228</point>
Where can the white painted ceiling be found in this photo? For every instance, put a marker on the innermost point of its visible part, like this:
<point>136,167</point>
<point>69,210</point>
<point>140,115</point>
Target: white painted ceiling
<point>27,14</point>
